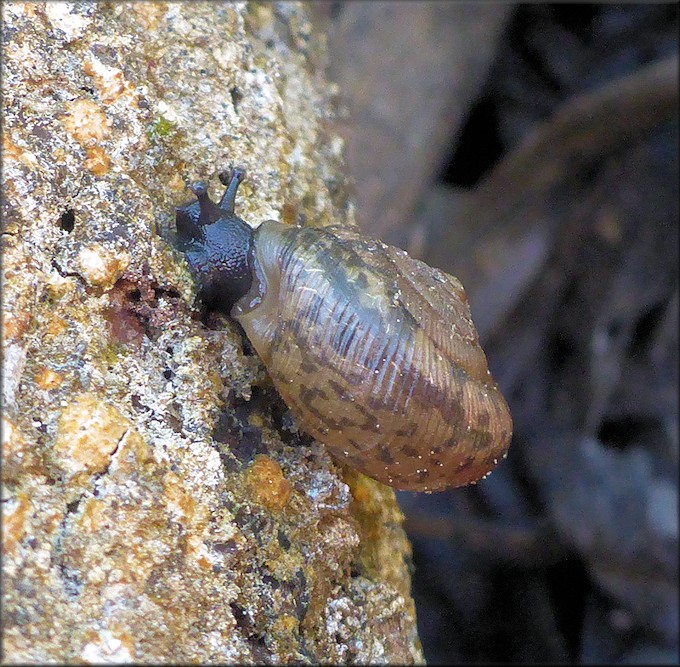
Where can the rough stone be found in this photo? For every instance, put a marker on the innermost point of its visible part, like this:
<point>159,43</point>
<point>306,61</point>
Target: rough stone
<point>154,508</point>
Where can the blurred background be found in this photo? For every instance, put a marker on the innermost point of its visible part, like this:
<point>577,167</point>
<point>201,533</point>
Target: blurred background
<point>532,151</point>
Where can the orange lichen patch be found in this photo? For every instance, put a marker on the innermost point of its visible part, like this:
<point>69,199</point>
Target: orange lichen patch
<point>268,485</point>
<point>110,82</point>
<point>18,457</point>
<point>192,515</point>
<point>113,542</point>
<point>93,516</point>
<point>108,645</point>
<point>97,161</point>
<point>88,432</point>
<point>10,151</point>
<point>204,563</point>
<point>359,485</point>
<point>47,379</point>
<point>285,633</point>
<point>85,122</point>
<point>88,125</point>
<point>149,14</point>
<point>15,324</point>
<point>14,513</point>
<point>197,548</point>
<point>177,499</point>
<point>176,182</point>
<point>100,266</point>
<point>363,492</point>
<point>58,286</point>
<point>132,452</point>
<point>56,326</point>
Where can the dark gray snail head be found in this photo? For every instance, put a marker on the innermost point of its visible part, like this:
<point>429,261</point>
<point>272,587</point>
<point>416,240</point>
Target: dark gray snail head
<point>217,243</point>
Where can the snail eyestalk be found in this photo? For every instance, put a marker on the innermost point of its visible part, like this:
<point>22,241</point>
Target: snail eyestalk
<point>210,212</point>
<point>233,179</point>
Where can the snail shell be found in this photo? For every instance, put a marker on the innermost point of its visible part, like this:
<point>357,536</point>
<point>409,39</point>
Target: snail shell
<point>374,352</point>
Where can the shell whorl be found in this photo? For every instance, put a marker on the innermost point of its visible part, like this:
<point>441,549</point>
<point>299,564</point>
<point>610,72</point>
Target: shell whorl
<point>376,355</point>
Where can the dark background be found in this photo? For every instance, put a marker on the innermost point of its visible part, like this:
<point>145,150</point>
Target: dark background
<point>532,150</point>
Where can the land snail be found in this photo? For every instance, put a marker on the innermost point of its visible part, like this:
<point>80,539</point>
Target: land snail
<point>374,352</point>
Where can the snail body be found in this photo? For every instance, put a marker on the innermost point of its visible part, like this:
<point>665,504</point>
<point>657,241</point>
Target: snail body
<point>374,352</point>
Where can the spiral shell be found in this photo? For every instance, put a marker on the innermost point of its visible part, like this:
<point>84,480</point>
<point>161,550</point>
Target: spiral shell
<point>375,354</point>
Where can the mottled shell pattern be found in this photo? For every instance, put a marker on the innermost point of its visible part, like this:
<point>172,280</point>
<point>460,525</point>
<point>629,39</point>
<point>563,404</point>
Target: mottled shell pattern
<point>375,354</point>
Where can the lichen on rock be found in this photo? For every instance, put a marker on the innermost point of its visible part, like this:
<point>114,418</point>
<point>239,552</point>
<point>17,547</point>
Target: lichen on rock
<point>155,506</point>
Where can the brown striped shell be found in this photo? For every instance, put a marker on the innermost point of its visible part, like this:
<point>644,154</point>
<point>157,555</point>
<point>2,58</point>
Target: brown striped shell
<point>376,355</point>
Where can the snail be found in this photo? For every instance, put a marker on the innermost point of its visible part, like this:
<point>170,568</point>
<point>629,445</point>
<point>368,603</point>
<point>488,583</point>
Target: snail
<point>374,352</point>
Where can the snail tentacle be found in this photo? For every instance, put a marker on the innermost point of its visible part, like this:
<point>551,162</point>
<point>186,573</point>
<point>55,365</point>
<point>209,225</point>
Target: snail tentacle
<point>233,178</point>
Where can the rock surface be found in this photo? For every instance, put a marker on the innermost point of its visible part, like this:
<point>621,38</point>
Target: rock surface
<point>157,503</point>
